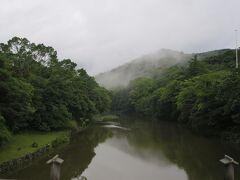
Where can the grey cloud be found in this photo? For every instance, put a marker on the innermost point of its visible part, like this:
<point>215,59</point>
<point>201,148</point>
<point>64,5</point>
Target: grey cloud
<point>101,34</point>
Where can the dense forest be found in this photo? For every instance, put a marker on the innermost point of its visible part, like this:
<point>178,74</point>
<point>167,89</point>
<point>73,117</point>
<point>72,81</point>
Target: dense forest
<point>40,92</point>
<point>203,94</point>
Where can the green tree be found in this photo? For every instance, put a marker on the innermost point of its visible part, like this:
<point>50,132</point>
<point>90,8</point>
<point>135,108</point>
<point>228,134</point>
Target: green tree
<point>141,94</point>
<point>39,91</point>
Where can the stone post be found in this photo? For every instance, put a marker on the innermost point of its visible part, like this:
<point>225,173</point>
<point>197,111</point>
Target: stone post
<point>228,163</point>
<point>55,168</point>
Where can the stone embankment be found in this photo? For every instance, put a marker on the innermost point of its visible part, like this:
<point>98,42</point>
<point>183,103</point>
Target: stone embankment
<point>23,161</point>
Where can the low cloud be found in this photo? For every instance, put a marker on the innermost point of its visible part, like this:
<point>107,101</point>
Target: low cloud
<point>100,35</point>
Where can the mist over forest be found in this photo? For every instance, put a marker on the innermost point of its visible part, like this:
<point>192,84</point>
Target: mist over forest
<point>148,65</point>
<point>119,89</point>
<point>141,67</point>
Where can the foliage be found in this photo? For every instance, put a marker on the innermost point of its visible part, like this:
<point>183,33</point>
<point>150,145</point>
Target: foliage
<point>202,94</point>
<point>73,124</point>
<point>121,101</point>
<point>164,99</point>
<point>140,94</point>
<point>39,91</point>
<point>4,132</point>
<point>196,101</point>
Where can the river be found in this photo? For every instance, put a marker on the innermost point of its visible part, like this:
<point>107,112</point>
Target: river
<point>149,151</point>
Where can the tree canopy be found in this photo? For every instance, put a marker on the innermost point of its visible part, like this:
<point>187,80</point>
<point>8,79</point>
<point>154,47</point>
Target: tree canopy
<point>202,94</point>
<point>39,91</point>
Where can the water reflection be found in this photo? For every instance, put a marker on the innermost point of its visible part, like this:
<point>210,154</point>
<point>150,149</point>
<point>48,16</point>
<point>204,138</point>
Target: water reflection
<point>77,156</point>
<point>198,156</point>
<point>149,151</point>
<point>116,160</point>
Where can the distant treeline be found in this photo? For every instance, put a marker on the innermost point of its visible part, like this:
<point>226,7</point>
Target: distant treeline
<point>40,92</point>
<point>203,94</point>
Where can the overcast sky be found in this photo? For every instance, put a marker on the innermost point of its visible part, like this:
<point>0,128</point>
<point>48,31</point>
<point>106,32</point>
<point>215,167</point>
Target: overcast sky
<point>101,34</point>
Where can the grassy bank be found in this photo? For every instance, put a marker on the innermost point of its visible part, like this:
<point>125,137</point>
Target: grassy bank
<point>29,142</point>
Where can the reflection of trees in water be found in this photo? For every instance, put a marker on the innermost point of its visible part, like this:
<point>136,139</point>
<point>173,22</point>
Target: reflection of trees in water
<point>198,156</point>
<point>77,156</point>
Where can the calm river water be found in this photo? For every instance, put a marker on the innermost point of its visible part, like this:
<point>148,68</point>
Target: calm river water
<point>150,151</point>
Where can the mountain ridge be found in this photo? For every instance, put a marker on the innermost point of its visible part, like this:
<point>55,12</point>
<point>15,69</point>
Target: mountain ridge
<point>144,65</point>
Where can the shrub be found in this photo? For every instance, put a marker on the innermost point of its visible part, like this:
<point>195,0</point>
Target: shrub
<point>34,145</point>
<point>4,132</point>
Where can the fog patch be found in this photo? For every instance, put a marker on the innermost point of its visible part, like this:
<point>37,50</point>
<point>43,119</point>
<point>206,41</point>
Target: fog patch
<point>141,67</point>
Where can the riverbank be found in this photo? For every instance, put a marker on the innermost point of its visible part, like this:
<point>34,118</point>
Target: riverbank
<point>28,147</point>
<point>24,148</point>
<point>152,149</point>
<point>106,117</point>
<point>22,144</point>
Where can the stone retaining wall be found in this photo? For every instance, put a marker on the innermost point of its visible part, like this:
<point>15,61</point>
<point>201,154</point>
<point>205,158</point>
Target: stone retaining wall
<point>23,161</point>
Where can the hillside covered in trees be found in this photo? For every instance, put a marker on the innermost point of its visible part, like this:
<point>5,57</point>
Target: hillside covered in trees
<point>40,92</point>
<point>202,94</point>
<point>144,66</point>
